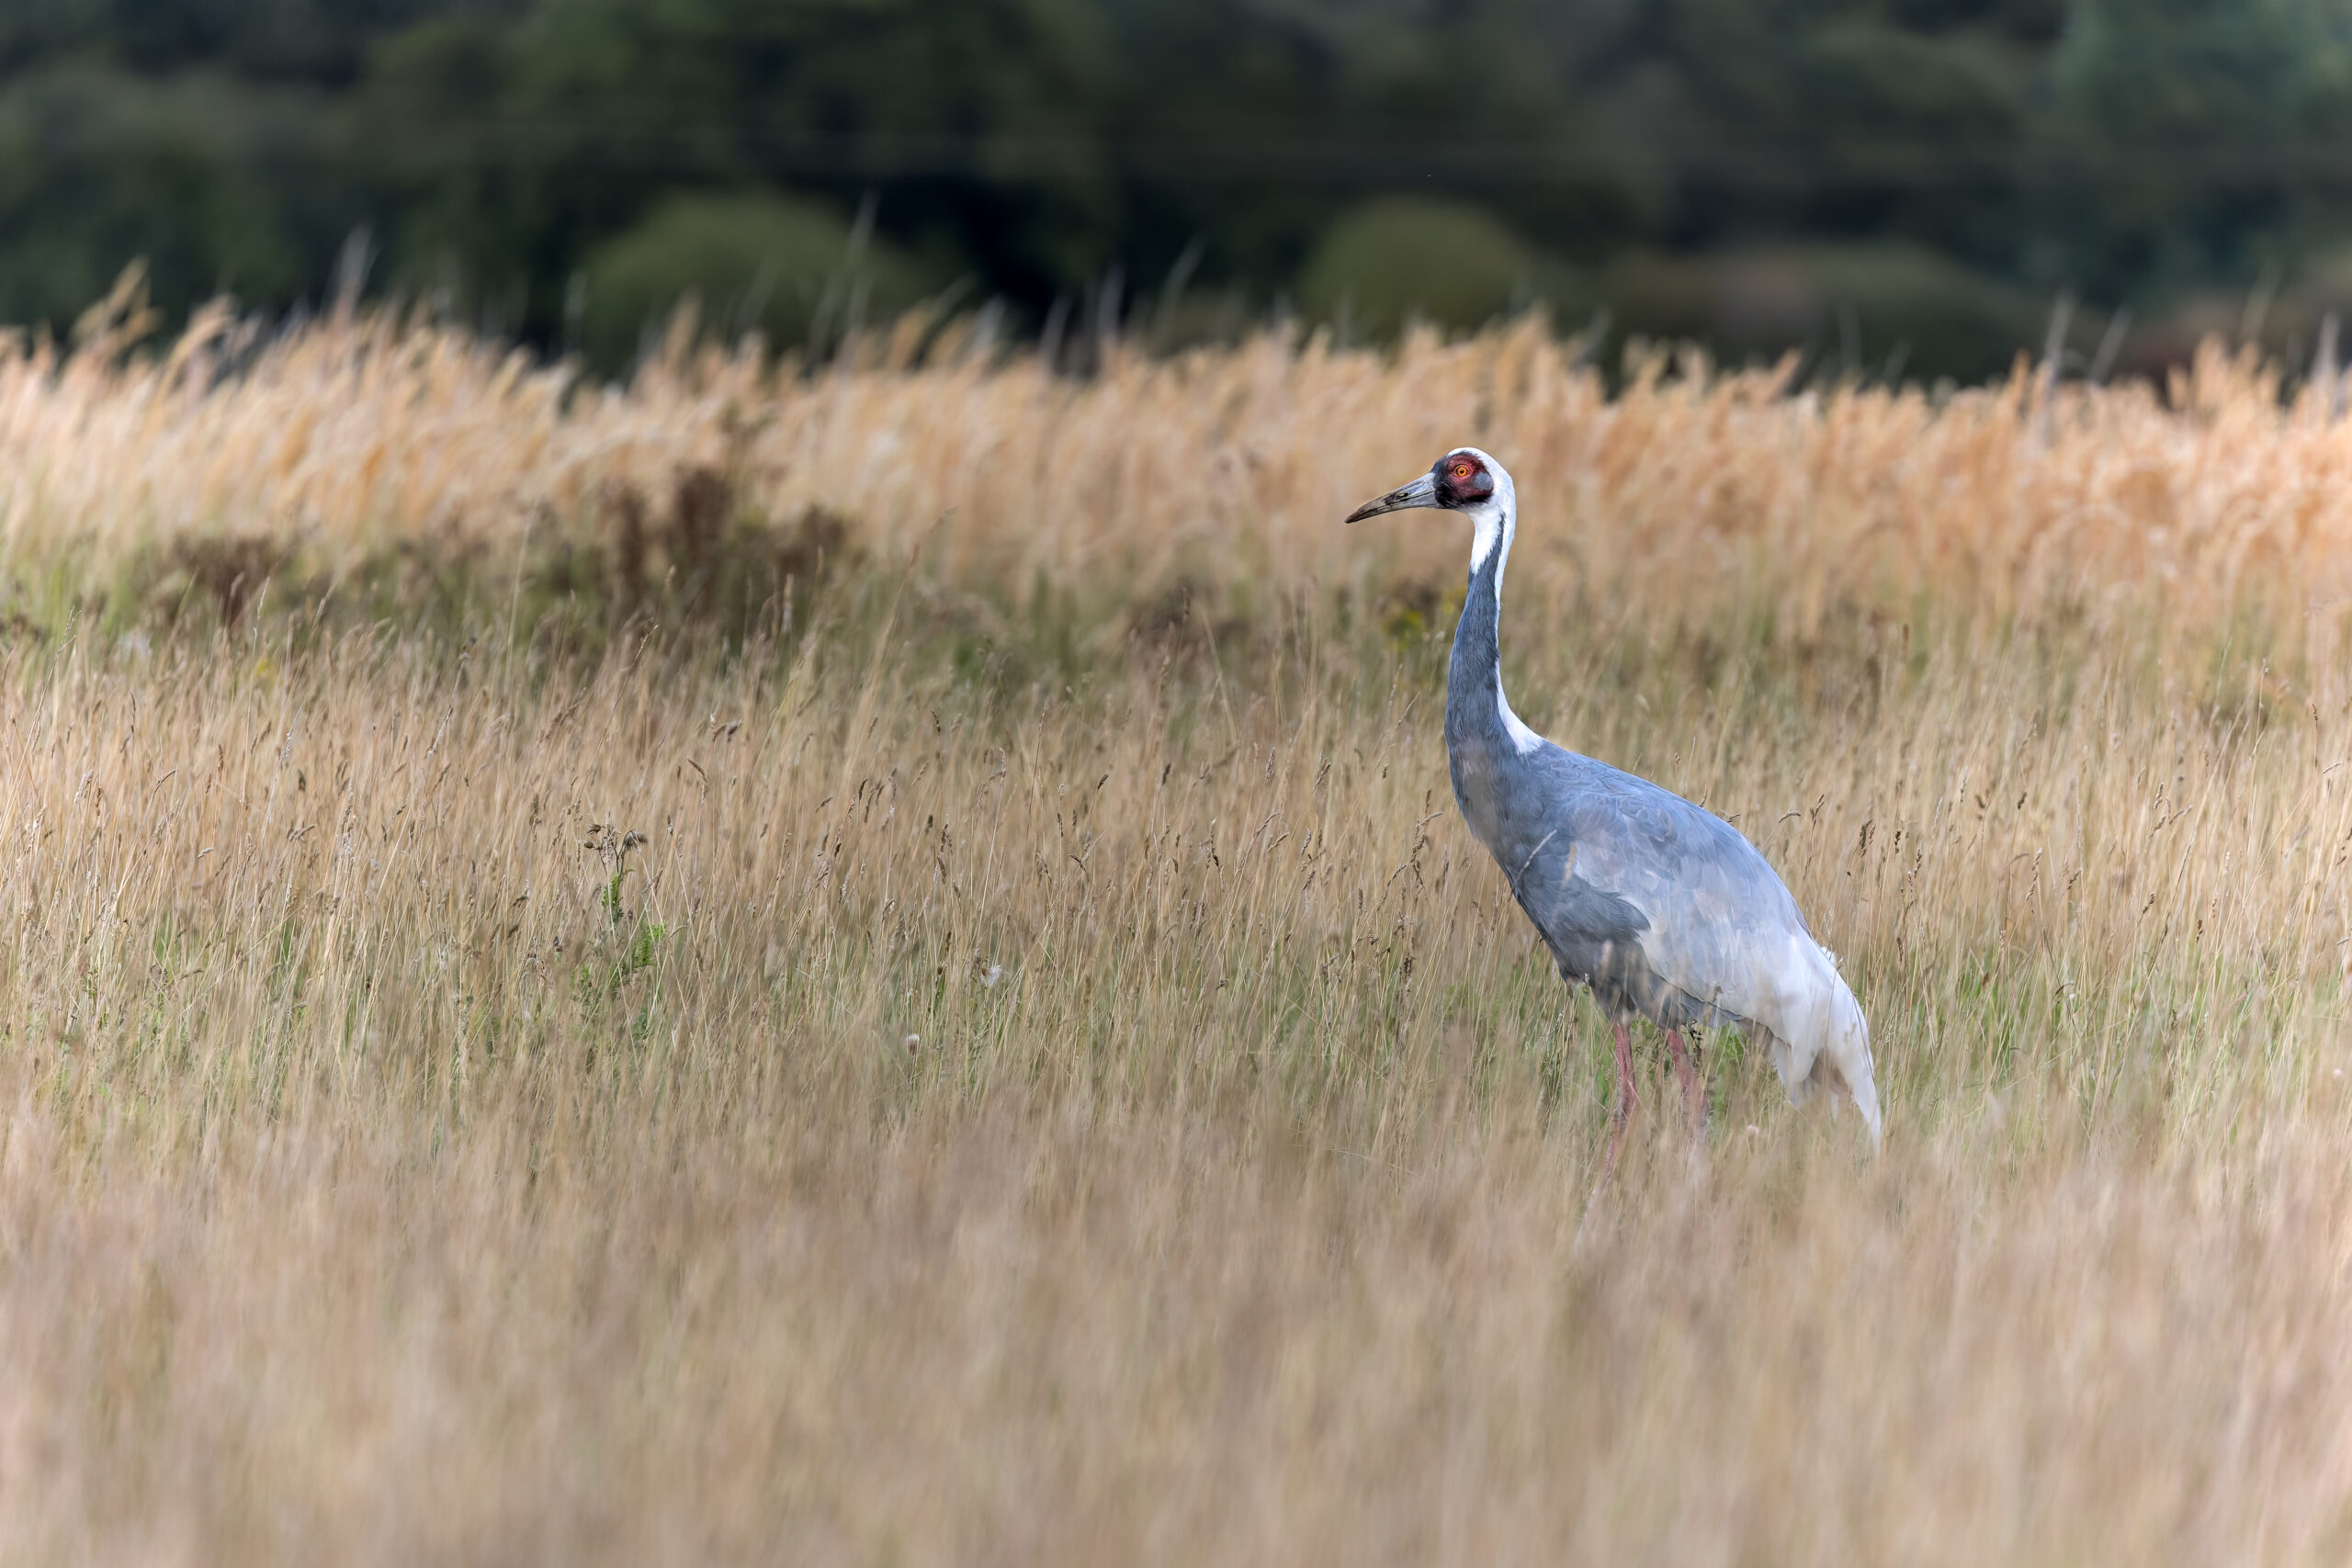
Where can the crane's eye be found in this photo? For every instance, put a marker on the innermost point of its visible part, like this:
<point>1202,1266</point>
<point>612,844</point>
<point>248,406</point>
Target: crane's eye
<point>1461,470</point>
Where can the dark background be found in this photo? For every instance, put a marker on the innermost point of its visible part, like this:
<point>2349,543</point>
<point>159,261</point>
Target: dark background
<point>1896,186</point>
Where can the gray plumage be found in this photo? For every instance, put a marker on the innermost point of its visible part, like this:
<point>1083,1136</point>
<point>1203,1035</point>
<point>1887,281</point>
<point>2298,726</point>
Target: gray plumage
<point>1657,905</point>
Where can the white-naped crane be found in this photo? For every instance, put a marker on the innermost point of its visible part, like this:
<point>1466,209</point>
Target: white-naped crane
<point>1657,905</point>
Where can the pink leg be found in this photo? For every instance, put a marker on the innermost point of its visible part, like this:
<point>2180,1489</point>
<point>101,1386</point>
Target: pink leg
<point>1694,1093</point>
<point>1627,1100</point>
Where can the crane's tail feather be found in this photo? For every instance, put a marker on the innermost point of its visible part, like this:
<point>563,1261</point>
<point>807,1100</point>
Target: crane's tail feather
<point>1825,1043</point>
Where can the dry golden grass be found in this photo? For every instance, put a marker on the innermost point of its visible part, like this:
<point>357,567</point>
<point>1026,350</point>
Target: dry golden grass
<point>1008,1053</point>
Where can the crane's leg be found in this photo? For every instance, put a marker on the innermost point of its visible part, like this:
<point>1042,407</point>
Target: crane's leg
<point>1694,1089</point>
<point>1627,1100</point>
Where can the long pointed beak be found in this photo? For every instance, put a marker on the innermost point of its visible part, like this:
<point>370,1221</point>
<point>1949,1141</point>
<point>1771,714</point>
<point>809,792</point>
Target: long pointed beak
<point>1422,491</point>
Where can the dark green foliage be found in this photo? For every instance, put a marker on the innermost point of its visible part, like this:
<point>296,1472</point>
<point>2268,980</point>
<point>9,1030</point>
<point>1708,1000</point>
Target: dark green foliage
<point>566,169</point>
<point>1455,265</point>
<point>195,174</point>
<point>791,270</point>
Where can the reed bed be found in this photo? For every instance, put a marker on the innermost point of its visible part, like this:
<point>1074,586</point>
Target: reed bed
<point>995,1046</point>
<point>1680,495</point>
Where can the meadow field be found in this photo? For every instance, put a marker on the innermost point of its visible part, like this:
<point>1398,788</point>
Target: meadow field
<point>875,965</point>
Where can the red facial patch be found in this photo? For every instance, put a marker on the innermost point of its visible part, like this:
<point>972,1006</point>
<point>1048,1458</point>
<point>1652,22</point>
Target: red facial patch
<point>1461,481</point>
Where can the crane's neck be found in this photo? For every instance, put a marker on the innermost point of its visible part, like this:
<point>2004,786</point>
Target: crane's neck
<point>1476,711</point>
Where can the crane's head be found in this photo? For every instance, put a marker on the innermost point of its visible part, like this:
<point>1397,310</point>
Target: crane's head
<point>1465,479</point>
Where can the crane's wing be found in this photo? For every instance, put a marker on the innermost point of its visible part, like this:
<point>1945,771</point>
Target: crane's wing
<point>1665,906</point>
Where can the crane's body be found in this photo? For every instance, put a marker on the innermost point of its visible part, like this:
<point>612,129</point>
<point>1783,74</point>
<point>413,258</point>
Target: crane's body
<point>1659,905</point>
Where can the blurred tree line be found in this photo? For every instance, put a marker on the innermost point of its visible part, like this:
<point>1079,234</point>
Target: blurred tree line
<point>1903,185</point>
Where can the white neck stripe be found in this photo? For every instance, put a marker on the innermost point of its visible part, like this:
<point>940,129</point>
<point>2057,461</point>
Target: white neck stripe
<point>1496,525</point>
